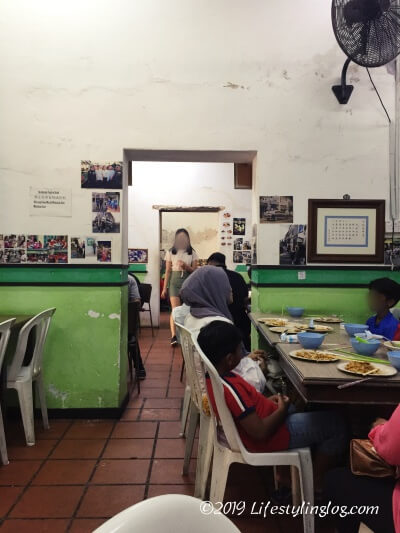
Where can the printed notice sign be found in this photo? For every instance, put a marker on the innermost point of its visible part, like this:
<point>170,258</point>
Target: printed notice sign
<point>50,202</point>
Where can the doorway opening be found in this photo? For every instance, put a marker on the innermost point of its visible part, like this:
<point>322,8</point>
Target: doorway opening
<point>190,189</point>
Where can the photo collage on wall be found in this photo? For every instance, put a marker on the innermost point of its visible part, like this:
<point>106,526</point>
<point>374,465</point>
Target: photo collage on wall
<point>33,249</point>
<point>233,234</point>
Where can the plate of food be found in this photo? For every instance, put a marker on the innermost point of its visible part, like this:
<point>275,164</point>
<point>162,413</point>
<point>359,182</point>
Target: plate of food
<point>273,322</point>
<point>281,329</point>
<point>392,345</point>
<point>315,356</point>
<point>320,329</point>
<point>328,319</point>
<point>364,368</point>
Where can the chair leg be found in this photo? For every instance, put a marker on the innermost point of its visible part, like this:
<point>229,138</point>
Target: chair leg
<point>3,444</point>
<point>204,456</point>
<point>182,369</point>
<point>25,397</point>
<point>295,481</point>
<point>194,416</point>
<point>219,476</point>
<point>151,321</point>
<point>185,410</point>
<point>42,399</point>
<point>137,365</point>
<point>307,488</point>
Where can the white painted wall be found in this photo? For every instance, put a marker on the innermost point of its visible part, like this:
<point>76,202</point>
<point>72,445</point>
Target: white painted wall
<point>181,184</point>
<point>86,78</point>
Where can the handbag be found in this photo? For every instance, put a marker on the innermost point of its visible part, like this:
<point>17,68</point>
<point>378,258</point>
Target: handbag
<point>365,461</point>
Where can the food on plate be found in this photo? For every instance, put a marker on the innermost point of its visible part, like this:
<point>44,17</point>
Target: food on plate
<point>273,321</point>
<point>362,367</point>
<point>321,329</point>
<point>328,319</point>
<point>314,355</point>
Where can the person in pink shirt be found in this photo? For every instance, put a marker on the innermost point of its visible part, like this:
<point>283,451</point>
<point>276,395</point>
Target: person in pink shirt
<point>344,488</point>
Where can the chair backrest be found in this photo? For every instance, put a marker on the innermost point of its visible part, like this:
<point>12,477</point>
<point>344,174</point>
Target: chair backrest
<point>41,323</point>
<point>133,318</point>
<point>169,513</point>
<point>5,331</point>
<point>224,414</point>
<point>193,365</point>
<point>145,292</point>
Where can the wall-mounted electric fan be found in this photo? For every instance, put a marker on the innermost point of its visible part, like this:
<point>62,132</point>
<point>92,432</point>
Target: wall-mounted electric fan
<point>368,32</point>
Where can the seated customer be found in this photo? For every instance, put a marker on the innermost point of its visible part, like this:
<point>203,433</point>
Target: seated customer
<point>344,488</point>
<point>240,294</point>
<point>384,293</point>
<point>266,424</point>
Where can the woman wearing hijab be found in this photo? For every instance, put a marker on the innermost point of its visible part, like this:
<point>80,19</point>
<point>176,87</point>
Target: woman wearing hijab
<point>208,294</point>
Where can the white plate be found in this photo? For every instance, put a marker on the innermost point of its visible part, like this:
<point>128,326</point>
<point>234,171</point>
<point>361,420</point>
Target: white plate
<point>328,319</point>
<point>389,346</point>
<point>278,329</point>
<point>385,370</point>
<point>295,356</point>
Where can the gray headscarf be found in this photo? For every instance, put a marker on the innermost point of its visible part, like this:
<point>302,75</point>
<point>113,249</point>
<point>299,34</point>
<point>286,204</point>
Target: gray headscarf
<point>207,292</point>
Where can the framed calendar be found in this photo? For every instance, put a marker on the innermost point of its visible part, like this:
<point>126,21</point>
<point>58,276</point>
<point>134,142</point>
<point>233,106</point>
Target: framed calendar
<point>346,231</point>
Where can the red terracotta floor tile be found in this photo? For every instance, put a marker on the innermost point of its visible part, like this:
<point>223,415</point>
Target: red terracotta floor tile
<point>121,471</point>
<point>163,403</point>
<point>8,496</point>
<point>86,525</point>
<point>159,490</point>
<point>170,430</point>
<point>56,431</point>
<point>155,383</point>
<point>170,471</point>
<point>55,525</point>
<point>160,414</point>
<point>40,502</point>
<point>18,472</point>
<point>134,430</point>
<point>41,450</point>
<point>107,500</point>
<point>171,448</point>
<point>130,414</point>
<point>174,392</point>
<point>65,472</point>
<point>135,402</point>
<point>79,449</point>
<point>129,449</point>
<point>90,429</point>
<point>153,393</point>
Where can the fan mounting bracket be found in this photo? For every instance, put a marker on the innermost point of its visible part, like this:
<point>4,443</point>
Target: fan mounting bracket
<point>342,93</point>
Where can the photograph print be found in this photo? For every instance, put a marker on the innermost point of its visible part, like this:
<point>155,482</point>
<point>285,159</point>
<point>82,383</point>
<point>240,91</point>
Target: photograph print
<point>239,226</point>
<point>104,251</point>
<point>101,175</point>
<point>13,249</point>
<point>238,243</point>
<point>292,244</point>
<point>237,257</point>
<point>392,249</point>
<point>78,248</point>
<point>138,255</point>
<point>276,209</point>
<point>35,250</point>
<point>57,248</point>
<point>105,202</point>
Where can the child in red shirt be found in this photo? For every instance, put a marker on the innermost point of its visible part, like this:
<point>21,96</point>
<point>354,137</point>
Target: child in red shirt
<point>269,424</point>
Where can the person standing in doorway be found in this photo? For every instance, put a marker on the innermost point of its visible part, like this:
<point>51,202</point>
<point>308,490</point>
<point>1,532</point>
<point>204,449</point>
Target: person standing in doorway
<point>181,261</point>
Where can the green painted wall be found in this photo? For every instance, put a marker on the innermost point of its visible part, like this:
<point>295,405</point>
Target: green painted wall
<point>85,360</point>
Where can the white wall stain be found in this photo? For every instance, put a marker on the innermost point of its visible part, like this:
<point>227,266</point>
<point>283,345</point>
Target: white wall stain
<point>93,314</point>
<point>100,401</point>
<point>57,393</point>
<point>116,316</point>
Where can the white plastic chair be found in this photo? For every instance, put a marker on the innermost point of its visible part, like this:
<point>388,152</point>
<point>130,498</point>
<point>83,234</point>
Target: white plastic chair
<point>231,450</point>
<point>196,416</point>
<point>5,330</point>
<point>21,377</point>
<point>168,514</point>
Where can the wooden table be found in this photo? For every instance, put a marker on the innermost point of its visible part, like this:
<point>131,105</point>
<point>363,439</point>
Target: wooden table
<point>318,382</point>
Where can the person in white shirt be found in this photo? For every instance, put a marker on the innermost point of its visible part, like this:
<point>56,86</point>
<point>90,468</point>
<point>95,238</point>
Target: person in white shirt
<point>99,173</point>
<point>181,261</point>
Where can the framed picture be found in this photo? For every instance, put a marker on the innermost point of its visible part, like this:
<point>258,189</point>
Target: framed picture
<point>276,209</point>
<point>101,174</point>
<point>346,231</point>
<point>138,255</point>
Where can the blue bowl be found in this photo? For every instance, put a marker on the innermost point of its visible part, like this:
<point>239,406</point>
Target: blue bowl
<point>310,341</point>
<point>295,311</point>
<point>394,358</point>
<point>355,329</point>
<point>365,348</point>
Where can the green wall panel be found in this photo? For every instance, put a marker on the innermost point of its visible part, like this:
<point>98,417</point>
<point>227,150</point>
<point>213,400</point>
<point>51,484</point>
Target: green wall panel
<point>85,354</point>
<point>63,274</point>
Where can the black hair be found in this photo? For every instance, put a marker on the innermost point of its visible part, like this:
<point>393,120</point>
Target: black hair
<point>189,249</point>
<point>218,339</point>
<point>217,257</point>
<point>386,286</point>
